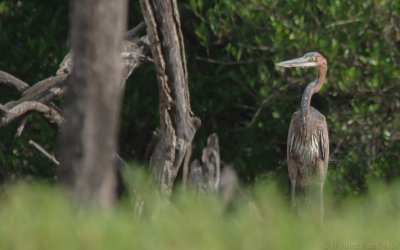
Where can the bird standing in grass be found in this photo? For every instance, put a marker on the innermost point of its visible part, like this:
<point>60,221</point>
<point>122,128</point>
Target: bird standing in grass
<point>308,142</point>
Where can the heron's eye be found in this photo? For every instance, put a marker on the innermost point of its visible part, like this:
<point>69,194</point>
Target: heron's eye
<point>312,59</point>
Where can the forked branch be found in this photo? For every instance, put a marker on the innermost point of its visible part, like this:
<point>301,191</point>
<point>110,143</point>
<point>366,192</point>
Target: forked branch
<point>10,115</point>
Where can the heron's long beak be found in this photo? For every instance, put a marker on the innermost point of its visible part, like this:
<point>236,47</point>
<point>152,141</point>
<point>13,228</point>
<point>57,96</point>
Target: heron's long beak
<point>302,62</point>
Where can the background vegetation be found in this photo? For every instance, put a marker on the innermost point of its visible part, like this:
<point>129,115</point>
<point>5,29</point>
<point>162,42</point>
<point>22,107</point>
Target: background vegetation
<point>232,47</point>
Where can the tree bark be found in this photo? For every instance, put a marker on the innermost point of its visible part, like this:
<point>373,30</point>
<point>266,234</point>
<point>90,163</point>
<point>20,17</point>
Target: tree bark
<point>88,139</point>
<point>178,124</point>
<point>205,175</point>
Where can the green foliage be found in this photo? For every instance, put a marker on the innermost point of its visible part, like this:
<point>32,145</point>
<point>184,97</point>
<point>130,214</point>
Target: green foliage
<point>33,37</point>
<point>232,47</point>
<point>39,217</point>
<point>33,41</point>
<point>240,43</point>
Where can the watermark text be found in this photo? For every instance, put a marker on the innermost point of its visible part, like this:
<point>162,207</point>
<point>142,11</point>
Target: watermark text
<point>360,245</point>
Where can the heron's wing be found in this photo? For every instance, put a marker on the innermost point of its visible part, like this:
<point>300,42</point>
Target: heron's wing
<point>292,163</point>
<point>291,134</point>
<point>323,141</point>
<point>323,148</point>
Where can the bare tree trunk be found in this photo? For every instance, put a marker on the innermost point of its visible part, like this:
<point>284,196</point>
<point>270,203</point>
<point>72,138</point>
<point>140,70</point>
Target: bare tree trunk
<point>178,125</point>
<point>88,139</point>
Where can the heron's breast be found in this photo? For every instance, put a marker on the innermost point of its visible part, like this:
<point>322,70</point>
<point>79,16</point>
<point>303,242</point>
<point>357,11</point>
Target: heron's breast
<point>306,150</point>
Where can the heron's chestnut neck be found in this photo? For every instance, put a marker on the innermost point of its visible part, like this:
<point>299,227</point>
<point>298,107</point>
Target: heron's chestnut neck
<point>312,88</point>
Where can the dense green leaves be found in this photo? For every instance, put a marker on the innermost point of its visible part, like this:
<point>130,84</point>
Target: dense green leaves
<point>232,47</point>
<point>33,41</point>
<point>360,99</point>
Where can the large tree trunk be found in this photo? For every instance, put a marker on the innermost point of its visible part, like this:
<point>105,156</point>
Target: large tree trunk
<point>178,125</point>
<point>88,139</point>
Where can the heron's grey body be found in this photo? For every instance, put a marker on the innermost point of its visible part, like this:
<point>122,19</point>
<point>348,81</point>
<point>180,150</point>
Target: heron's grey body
<point>307,147</point>
<point>308,141</point>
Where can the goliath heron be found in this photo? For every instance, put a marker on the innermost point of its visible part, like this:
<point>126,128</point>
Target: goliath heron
<point>308,142</point>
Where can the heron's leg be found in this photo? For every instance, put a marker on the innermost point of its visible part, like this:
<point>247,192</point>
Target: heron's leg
<point>292,167</point>
<point>322,200</point>
<point>322,174</point>
<point>293,192</point>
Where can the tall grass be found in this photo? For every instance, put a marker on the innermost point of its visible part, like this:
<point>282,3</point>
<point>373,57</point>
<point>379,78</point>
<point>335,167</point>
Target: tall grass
<point>36,216</point>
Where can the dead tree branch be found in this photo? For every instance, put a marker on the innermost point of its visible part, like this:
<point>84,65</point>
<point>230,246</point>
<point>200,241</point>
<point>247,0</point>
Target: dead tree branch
<point>21,126</point>
<point>178,124</point>
<point>135,31</point>
<point>38,97</point>
<point>13,82</point>
<point>24,107</point>
<point>43,91</point>
<point>41,149</point>
<point>134,53</point>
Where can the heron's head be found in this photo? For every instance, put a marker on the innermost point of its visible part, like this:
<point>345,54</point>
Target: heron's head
<point>311,59</point>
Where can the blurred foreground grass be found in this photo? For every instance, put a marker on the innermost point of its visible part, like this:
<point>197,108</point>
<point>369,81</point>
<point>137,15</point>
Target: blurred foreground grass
<point>37,216</point>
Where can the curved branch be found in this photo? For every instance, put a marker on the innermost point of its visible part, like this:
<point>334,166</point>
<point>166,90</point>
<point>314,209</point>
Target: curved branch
<point>134,54</point>
<point>135,31</point>
<point>50,113</point>
<point>13,82</point>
